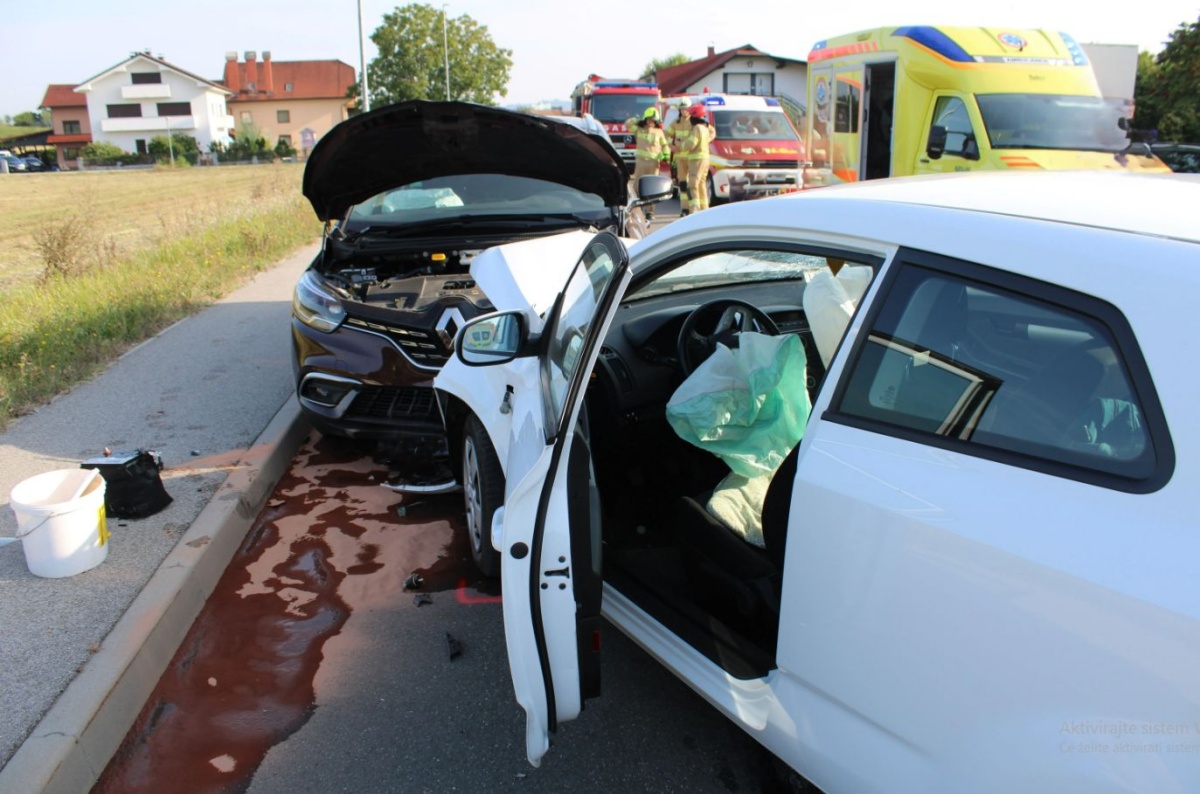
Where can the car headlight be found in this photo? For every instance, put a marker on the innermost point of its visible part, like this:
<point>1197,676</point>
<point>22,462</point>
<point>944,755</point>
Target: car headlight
<point>316,305</point>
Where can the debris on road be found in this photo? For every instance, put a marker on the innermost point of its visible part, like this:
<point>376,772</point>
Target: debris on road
<point>414,581</point>
<point>453,646</point>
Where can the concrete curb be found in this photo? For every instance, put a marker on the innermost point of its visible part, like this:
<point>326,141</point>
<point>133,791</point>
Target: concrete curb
<point>73,743</point>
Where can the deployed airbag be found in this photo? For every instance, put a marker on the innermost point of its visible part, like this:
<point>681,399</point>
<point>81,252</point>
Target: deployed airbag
<point>748,406</point>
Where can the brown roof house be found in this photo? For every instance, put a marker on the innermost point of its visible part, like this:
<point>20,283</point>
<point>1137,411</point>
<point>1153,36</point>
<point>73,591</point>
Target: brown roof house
<point>144,96</point>
<point>72,129</point>
<point>742,70</point>
<point>293,101</point>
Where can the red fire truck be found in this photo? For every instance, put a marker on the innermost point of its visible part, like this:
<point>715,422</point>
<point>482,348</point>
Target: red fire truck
<point>612,102</point>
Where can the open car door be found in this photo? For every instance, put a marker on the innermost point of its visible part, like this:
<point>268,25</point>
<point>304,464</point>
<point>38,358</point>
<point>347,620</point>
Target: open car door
<point>548,531</point>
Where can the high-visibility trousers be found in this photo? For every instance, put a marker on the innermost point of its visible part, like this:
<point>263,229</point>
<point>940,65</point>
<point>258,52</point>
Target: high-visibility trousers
<point>698,185</point>
<point>645,167</point>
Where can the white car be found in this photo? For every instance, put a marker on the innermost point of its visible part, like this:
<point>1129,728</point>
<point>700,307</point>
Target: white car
<point>976,570</point>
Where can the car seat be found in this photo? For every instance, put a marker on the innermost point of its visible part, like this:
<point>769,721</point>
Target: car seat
<point>1046,409</point>
<point>723,566</point>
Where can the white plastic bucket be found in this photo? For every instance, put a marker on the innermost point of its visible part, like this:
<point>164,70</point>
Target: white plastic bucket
<point>61,522</point>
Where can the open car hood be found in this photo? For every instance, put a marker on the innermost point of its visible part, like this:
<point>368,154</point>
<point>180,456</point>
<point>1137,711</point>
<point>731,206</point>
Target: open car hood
<point>409,141</point>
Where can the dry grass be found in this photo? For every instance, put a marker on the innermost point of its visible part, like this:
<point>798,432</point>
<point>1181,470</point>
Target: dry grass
<point>123,211</point>
<point>93,263</point>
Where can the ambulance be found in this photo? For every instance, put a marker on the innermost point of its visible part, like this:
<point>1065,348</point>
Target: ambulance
<point>756,152</point>
<point>909,100</point>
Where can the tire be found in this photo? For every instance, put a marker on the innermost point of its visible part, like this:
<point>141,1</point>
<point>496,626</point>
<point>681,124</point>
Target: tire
<point>483,492</point>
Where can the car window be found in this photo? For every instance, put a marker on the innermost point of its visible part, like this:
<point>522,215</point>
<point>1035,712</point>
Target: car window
<point>567,339</point>
<point>951,113</point>
<point>995,368</point>
<point>472,195</point>
<point>729,267</point>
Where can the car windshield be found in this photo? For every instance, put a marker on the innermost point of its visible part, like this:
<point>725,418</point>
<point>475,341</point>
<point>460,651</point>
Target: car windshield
<point>474,196</point>
<point>617,108</point>
<point>726,267</point>
<point>1052,121</point>
<point>753,125</point>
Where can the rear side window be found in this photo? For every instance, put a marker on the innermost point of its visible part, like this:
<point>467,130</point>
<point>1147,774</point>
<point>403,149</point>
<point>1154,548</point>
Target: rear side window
<point>1008,374</point>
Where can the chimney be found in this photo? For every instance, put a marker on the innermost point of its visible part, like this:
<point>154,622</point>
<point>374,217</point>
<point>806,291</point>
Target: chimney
<point>268,76</point>
<point>711,51</point>
<point>231,73</point>
<point>251,71</point>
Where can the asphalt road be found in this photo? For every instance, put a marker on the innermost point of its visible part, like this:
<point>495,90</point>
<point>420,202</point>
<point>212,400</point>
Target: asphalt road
<point>318,666</point>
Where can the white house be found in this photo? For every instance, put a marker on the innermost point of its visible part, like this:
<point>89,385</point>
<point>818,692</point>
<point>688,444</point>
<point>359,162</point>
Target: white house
<point>741,70</point>
<point>144,96</point>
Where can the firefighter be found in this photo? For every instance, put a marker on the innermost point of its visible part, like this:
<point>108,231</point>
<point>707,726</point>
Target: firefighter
<point>677,134</point>
<point>652,148</point>
<point>697,156</point>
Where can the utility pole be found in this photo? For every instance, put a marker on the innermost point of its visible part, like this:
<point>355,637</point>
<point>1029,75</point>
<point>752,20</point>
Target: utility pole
<point>446,51</point>
<point>362,63</point>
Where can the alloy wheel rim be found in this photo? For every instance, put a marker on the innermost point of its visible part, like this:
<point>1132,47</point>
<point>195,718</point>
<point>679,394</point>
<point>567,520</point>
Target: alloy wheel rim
<point>471,493</point>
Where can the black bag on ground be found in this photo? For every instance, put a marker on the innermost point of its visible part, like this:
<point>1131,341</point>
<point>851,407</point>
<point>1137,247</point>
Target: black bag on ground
<point>132,486</point>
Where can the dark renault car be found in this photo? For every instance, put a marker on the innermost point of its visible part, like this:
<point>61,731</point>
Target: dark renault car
<point>410,194</point>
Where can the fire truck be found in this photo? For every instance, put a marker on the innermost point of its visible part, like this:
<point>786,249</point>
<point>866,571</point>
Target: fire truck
<point>612,102</point>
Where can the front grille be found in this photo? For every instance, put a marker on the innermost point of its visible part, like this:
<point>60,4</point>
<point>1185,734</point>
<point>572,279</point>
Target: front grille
<point>387,402</point>
<point>423,346</point>
<point>620,139</point>
<point>776,164</point>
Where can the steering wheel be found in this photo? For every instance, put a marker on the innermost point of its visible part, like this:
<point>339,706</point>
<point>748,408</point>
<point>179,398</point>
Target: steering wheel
<point>718,321</point>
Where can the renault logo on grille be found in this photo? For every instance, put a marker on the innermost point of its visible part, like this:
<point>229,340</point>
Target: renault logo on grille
<point>448,325</point>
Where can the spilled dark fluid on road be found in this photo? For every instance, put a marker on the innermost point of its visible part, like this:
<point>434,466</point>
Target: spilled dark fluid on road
<point>330,540</point>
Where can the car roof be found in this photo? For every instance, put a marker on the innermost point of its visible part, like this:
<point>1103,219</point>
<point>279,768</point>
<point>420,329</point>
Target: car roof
<point>1135,203</point>
<point>952,214</point>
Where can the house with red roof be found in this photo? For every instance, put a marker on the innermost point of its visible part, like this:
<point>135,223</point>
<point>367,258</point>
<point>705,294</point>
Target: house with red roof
<point>293,101</point>
<point>144,96</point>
<point>741,70</point>
<point>72,130</point>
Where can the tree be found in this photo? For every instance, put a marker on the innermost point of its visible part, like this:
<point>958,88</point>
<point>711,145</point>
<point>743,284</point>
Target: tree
<point>1167,99</point>
<point>412,59</point>
<point>649,71</point>
<point>27,119</point>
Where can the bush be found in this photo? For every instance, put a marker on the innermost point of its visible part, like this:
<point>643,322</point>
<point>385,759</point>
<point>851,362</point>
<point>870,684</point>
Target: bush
<point>183,145</point>
<point>103,151</point>
<point>64,247</point>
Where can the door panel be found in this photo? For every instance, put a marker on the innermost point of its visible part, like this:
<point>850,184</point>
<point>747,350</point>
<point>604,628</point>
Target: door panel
<point>550,526</point>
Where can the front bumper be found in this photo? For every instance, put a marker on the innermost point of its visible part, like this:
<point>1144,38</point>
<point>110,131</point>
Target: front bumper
<point>738,184</point>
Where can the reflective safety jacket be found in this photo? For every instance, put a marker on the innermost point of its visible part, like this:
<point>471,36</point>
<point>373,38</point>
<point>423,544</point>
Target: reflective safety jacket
<point>678,133</point>
<point>652,144</point>
<point>701,136</point>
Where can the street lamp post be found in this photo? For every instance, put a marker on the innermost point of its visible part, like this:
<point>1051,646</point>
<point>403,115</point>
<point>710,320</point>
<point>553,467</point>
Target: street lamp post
<point>170,143</point>
<point>362,62</point>
<point>446,51</point>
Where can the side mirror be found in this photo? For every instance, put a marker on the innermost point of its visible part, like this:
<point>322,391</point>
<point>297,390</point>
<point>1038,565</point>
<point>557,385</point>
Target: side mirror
<point>937,142</point>
<point>970,149</point>
<point>652,188</point>
<point>492,339</point>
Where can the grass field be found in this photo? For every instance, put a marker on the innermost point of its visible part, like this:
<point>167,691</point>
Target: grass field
<point>146,248</point>
<point>127,211</point>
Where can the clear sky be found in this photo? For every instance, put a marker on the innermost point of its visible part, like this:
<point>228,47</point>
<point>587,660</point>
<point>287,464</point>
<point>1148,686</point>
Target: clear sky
<point>555,43</point>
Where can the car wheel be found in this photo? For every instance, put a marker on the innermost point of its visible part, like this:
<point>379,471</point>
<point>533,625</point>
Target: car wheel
<point>483,492</point>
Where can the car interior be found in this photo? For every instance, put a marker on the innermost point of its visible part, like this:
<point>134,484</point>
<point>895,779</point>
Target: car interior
<point>663,546</point>
<point>944,357</point>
